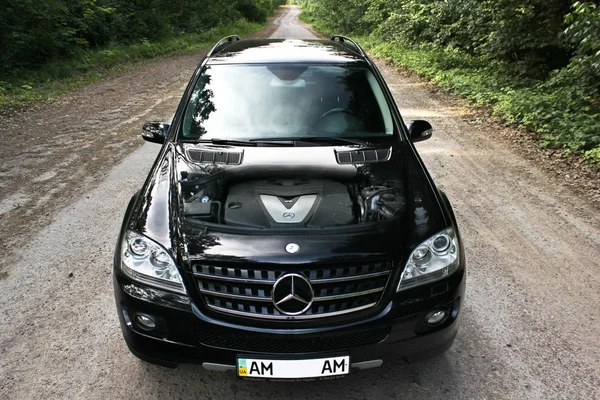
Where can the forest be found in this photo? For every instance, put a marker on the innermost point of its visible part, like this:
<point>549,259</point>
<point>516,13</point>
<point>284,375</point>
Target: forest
<point>33,33</point>
<point>534,63</point>
<point>47,46</point>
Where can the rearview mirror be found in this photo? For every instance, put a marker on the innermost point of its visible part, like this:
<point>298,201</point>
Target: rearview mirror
<point>155,132</point>
<point>419,130</point>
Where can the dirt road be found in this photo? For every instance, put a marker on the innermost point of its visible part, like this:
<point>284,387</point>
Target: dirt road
<point>288,26</point>
<point>530,328</point>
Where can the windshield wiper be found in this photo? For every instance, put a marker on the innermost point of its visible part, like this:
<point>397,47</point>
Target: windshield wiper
<point>321,139</point>
<point>333,139</point>
<point>233,142</point>
<point>284,141</point>
<point>239,142</point>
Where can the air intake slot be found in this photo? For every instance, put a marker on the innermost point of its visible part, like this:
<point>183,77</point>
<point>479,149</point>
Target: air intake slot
<point>363,156</point>
<point>215,157</point>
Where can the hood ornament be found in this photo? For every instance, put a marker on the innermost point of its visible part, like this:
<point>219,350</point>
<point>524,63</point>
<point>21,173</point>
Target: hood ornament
<point>292,294</point>
<point>292,248</point>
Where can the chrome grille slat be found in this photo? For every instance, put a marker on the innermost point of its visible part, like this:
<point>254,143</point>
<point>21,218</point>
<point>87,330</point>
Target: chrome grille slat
<point>296,317</point>
<point>349,278</point>
<point>226,278</point>
<point>236,296</point>
<point>246,290</point>
<point>268,299</point>
<point>347,295</point>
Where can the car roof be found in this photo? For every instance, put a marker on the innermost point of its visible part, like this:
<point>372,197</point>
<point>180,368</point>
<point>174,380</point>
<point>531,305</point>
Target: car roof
<point>263,51</point>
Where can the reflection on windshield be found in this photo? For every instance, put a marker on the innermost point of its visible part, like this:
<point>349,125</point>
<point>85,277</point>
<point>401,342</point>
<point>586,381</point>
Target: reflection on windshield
<point>262,101</point>
<point>203,106</point>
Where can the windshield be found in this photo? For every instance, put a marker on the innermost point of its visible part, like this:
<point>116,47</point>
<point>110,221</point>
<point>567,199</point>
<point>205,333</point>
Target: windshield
<point>280,101</point>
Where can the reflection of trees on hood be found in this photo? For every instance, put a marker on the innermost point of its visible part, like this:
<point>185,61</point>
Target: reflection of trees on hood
<point>200,243</point>
<point>204,105</point>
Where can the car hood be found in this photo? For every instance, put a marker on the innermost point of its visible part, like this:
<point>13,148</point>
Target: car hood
<point>157,212</point>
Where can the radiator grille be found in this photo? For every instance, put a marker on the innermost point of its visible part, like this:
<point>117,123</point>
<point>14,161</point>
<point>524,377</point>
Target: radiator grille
<point>247,292</point>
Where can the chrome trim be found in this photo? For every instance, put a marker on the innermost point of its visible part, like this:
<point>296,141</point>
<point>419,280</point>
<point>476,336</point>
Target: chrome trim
<point>269,299</point>
<point>235,296</point>
<point>272,281</point>
<point>229,288</point>
<point>218,367</point>
<point>288,317</point>
<point>367,364</point>
<point>292,295</point>
<point>348,295</point>
<point>294,215</point>
<point>349,278</point>
<point>229,38</point>
<point>234,279</point>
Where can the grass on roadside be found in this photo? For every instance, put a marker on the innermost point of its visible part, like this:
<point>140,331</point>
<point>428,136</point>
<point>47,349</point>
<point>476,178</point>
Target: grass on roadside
<point>559,117</point>
<point>90,66</point>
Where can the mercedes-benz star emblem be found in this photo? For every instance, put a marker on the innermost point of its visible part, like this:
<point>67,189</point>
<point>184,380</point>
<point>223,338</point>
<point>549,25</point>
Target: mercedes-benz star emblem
<point>292,294</point>
<point>289,215</point>
<point>292,248</point>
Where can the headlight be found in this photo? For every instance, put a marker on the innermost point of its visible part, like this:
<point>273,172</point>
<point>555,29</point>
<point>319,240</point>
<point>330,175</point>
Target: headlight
<point>435,258</point>
<point>147,262</point>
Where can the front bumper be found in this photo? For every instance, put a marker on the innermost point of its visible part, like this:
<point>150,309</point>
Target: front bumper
<point>185,334</point>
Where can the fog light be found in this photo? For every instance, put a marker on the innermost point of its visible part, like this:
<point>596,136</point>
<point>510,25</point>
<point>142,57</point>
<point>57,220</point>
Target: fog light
<point>437,318</point>
<point>145,322</point>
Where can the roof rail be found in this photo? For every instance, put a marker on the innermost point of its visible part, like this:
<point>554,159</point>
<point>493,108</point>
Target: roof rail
<point>221,42</point>
<point>351,43</point>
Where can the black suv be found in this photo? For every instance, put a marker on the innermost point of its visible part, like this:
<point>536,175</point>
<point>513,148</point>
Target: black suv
<point>288,228</point>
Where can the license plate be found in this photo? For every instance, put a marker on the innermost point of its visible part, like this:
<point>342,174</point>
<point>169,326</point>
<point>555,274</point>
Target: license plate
<point>293,369</point>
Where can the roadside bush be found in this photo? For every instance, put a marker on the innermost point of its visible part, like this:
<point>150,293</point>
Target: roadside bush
<point>257,10</point>
<point>90,65</point>
<point>535,63</point>
<point>76,41</point>
<point>35,33</point>
<point>582,34</point>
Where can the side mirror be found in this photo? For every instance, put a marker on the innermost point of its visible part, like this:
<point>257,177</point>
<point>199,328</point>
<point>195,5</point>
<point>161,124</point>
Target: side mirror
<point>419,130</point>
<point>155,132</point>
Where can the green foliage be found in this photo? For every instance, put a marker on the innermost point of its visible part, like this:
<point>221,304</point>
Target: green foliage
<point>91,65</point>
<point>35,33</point>
<point>523,32</point>
<point>582,74</point>
<point>335,15</point>
<point>554,115</point>
<point>257,10</point>
<point>76,41</point>
<point>534,63</point>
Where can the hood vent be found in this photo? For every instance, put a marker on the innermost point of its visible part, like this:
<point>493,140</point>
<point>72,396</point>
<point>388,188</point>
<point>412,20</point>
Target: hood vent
<point>363,156</point>
<point>216,157</point>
